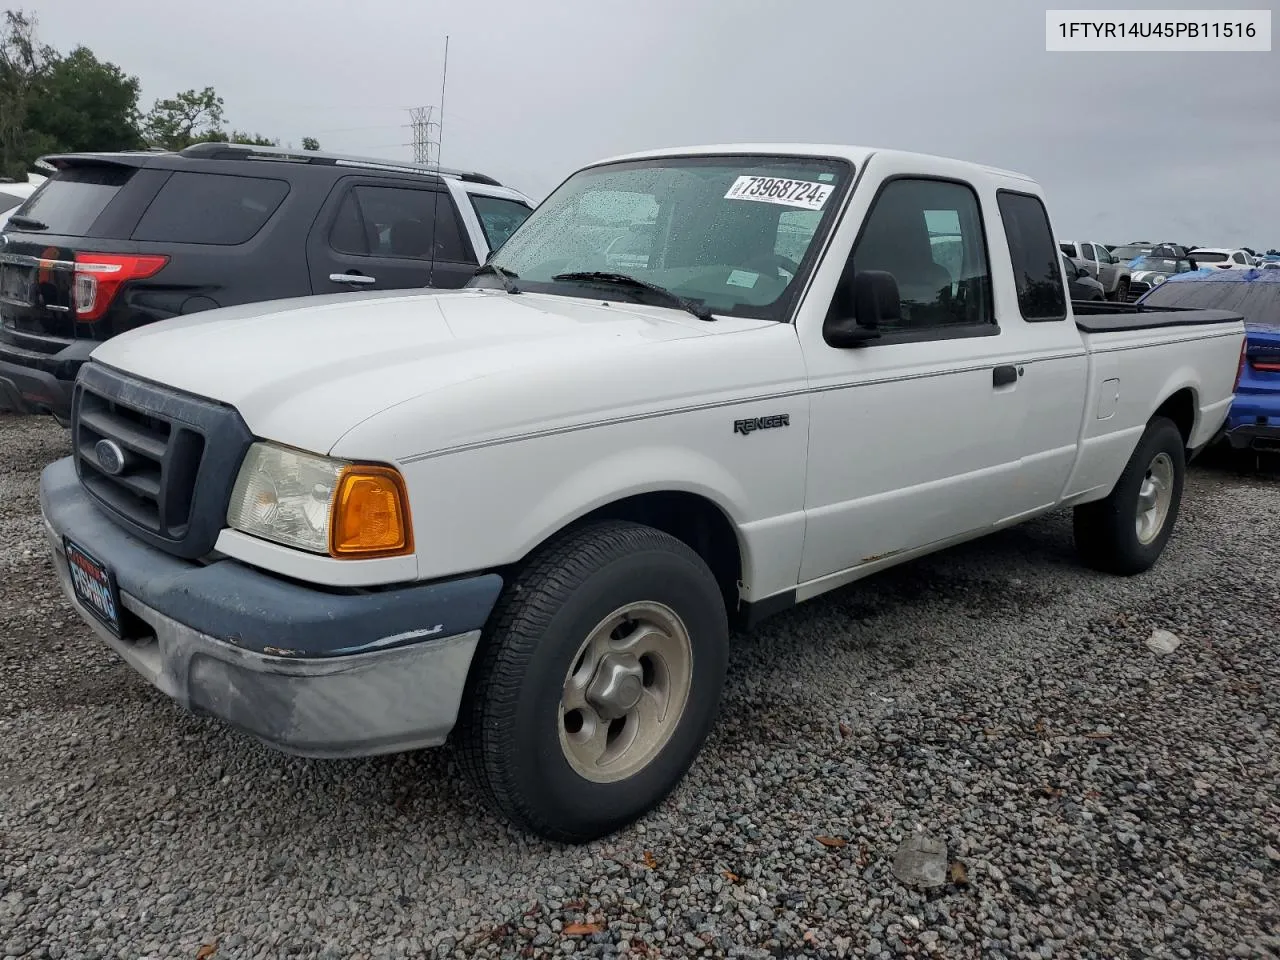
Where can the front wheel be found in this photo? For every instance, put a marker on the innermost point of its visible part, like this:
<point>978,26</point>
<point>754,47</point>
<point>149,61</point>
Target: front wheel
<point>1126,532</point>
<point>598,681</point>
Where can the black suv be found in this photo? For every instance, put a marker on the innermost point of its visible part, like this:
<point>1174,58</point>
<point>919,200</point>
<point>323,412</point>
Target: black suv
<point>112,241</point>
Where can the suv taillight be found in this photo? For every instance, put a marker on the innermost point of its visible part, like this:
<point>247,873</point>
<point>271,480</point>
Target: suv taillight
<point>100,275</point>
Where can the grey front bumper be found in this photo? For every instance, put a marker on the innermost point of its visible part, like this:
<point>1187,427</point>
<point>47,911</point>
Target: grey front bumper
<point>395,695</point>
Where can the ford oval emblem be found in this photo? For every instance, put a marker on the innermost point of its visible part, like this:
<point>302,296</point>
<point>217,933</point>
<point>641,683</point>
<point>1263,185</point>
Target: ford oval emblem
<point>109,455</point>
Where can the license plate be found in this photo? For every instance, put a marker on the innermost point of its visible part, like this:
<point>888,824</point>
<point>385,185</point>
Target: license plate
<point>15,284</point>
<point>94,586</point>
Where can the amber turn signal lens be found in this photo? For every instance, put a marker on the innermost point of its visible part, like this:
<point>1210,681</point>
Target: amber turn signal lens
<point>370,514</point>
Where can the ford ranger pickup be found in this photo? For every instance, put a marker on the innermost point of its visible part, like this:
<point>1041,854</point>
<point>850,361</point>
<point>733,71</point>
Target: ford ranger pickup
<point>522,515</point>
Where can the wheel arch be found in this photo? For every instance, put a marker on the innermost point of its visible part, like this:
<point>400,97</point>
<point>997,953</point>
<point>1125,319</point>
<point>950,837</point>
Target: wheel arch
<point>1181,406</point>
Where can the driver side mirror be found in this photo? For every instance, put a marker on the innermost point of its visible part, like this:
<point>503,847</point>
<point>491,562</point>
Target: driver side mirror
<point>861,307</point>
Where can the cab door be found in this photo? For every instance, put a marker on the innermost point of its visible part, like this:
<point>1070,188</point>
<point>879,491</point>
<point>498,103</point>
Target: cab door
<point>375,234</point>
<point>914,437</point>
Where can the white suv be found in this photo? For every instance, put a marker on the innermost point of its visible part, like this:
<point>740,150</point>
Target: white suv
<point>1224,258</point>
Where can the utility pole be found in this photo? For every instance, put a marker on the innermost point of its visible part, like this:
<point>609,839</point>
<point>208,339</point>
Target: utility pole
<point>426,149</point>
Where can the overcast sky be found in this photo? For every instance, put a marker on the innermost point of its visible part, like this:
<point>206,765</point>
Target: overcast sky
<point>1180,147</point>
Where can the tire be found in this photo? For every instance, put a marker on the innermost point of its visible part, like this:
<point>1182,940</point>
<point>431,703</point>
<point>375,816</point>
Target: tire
<point>521,743</point>
<point>1122,290</point>
<point>1107,532</point>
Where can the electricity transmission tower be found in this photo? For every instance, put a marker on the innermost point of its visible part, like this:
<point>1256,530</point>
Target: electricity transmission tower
<point>426,148</point>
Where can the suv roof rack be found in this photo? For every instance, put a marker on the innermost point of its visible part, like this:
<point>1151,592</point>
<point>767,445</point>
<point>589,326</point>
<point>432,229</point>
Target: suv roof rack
<point>245,151</point>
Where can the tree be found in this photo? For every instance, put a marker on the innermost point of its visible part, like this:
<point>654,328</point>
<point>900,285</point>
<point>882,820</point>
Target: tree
<point>87,104</point>
<point>310,143</point>
<point>236,136</point>
<point>184,119</point>
<point>52,103</point>
<point>23,60</point>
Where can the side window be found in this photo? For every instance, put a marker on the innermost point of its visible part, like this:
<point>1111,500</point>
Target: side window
<point>1041,294</point>
<point>498,217</point>
<point>1238,257</point>
<point>210,208</point>
<point>1068,248</point>
<point>403,223</point>
<point>347,233</point>
<point>1104,255</point>
<point>1087,251</point>
<point>928,234</point>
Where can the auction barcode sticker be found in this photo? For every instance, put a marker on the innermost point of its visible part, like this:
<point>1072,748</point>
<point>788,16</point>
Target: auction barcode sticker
<point>1157,31</point>
<point>805,194</point>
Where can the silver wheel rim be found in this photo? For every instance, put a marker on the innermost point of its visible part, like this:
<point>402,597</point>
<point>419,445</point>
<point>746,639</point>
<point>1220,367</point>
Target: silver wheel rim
<point>1154,496</point>
<point>625,692</point>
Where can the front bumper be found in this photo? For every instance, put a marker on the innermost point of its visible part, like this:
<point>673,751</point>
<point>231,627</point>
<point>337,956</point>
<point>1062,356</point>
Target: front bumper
<point>307,671</point>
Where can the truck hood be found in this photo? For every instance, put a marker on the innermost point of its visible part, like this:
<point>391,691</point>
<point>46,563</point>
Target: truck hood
<point>305,371</point>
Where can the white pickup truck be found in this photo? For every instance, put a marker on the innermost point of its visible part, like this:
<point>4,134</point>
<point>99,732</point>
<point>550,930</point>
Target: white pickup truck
<point>522,515</point>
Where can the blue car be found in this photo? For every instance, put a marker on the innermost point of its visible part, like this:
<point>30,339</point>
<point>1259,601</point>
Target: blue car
<point>1254,420</point>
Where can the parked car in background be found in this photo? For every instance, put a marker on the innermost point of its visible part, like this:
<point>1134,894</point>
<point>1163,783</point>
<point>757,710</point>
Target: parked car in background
<point>1103,266</point>
<point>1080,285</point>
<point>1153,269</point>
<point>114,241</point>
<point>13,194</point>
<point>1253,422</point>
<point>1131,251</point>
<point>523,516</point>
<point>1223,258</point>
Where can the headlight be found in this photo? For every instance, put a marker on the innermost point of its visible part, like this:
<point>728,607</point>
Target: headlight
<point>320,504</point>
<point>1158,278</point>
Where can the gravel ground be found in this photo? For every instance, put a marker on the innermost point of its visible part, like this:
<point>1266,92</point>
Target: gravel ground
<point>1097,798</point>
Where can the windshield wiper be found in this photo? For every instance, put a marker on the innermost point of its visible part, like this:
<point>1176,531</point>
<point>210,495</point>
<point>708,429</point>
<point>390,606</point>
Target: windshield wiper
<point>503,275</point>
<point>699,310</point>
<point>28,223</point>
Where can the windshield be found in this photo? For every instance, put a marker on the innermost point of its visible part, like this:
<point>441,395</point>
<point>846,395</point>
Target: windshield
<point>734,233</point>
<point>1161,265</point>
<point>1128,253</point>
<point>1204,256</point>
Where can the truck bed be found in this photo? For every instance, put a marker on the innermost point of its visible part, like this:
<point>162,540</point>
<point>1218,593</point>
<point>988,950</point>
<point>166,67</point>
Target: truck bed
<point>1094,316</point>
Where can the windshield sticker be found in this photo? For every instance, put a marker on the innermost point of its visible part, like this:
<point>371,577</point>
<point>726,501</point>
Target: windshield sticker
<point>743,278</point>
<point>789,193</point>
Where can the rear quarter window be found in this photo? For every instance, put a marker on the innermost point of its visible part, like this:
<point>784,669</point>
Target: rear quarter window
<point>211,208</point>
<point>71,200</point>
<point>1037,269</point>
<point>498,217</point>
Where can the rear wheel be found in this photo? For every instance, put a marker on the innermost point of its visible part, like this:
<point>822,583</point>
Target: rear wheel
<point>1126,532</point>
<point>598,681</point>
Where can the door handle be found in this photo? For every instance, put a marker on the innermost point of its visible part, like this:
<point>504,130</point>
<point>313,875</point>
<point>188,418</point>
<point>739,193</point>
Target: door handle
<point>1005,375</point>
<point>351,278</point>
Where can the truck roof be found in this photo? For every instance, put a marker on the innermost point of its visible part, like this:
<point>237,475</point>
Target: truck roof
<point>855,154</point>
